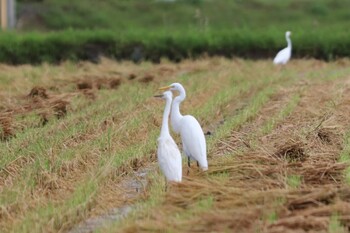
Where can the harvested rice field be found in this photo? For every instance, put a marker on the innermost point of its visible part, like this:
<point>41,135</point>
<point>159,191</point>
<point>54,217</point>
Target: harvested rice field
<point>78,147</point>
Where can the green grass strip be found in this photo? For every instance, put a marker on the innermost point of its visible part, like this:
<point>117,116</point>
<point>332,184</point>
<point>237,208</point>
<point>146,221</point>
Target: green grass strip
<point>271,123</point>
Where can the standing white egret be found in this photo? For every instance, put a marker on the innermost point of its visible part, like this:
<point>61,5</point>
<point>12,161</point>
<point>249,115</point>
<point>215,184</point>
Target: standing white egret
<point>284,55</point>
<point>169,156</point>
<point>192,136</point>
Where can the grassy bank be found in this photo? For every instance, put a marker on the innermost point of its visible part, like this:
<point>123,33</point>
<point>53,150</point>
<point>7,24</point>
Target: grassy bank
<point>150,30</point>
<point>89,45</point>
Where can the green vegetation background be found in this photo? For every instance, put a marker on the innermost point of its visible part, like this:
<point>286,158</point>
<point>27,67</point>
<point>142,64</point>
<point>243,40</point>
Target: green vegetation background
<point>151,29</point>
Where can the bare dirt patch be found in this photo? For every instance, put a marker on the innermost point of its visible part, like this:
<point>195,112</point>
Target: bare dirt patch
<point>6,131</point>
<point>98,82</point>
<point>84,85</point>
<point>60,108</point>
<point>146,79</point>
<point>115,83</point>
<point>132,76</point>
<point>38,92</point>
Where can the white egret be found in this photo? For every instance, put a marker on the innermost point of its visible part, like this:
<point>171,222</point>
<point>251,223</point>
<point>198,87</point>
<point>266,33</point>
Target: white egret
<point>284,55</point>
<point>192,136</point>
<point>169,156</point>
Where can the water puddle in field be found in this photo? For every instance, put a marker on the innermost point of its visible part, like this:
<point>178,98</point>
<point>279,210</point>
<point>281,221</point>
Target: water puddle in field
<point>133,187</point>
<point>91,224</point>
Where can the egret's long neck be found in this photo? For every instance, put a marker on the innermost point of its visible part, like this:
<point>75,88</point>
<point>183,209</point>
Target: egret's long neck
<point>289,42</point>
<point>165,124</point>
<point>175,110</point>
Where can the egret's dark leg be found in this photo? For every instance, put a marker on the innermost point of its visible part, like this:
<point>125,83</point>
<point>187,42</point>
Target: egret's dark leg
<point>188,165</point>
<point>197,164</point>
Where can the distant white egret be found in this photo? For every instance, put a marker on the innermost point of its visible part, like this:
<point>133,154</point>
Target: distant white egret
<point>284,55</point>
<point>192,136</point>
<point>169,156</point>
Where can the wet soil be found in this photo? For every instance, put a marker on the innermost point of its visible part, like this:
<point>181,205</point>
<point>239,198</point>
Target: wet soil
<point>133,186</point>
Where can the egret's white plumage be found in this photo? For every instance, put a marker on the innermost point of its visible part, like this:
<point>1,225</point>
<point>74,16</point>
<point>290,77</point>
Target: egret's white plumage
<point>169,156</point>
<point>284,55</point>
<point>192,136</point>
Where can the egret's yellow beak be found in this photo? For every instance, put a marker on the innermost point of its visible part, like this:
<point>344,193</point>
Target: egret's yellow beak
<point>164,88</point>
<point>158,96</point>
